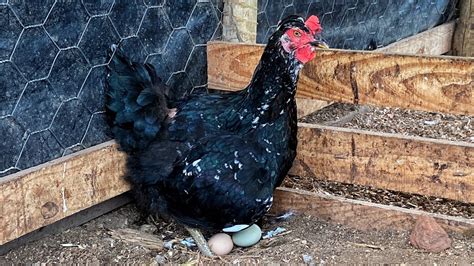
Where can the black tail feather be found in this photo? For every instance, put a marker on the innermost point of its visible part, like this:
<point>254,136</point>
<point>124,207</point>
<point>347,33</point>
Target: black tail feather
<point>136,102</point>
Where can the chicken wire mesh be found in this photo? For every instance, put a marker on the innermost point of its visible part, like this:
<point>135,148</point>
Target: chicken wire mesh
<point>53,59</point>
<point>53,56</point>
<point>355,24</point>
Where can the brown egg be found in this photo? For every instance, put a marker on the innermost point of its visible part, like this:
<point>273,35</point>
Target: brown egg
<point>221,244</point>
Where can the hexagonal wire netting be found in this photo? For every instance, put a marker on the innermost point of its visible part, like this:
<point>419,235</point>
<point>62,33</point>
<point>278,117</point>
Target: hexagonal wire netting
<point>355,24</point>
<point>53,56</point>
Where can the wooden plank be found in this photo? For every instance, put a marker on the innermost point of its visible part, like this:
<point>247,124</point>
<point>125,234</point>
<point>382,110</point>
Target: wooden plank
<point>49,192</point>
<point>74,220</point>
<point>359,214</point>
<point>427,83</point>
<point>239,23</point>
<point>389,161</point>
<point>435,41</point>
<point>308,106</point>
<point>463,41</point>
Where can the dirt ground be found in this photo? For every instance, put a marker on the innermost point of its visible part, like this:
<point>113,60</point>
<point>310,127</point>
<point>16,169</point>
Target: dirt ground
<point>307,240</point>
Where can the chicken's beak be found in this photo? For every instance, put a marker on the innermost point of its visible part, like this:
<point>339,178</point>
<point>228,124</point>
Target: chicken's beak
<point>319,44</point>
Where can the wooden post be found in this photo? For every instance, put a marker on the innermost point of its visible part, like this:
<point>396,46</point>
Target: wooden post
<point>463,42</point>
<point>240,21</point>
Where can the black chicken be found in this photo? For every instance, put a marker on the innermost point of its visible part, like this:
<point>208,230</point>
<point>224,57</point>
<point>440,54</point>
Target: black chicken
<point>212,161</point>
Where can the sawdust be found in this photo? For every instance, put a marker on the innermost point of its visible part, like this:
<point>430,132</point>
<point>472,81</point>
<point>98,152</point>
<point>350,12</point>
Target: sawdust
<point>395,120</point>
<point>382,196</point>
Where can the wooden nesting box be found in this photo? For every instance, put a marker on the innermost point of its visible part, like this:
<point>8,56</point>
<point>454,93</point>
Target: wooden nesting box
<point>40,196</point>
<point>380,160</point>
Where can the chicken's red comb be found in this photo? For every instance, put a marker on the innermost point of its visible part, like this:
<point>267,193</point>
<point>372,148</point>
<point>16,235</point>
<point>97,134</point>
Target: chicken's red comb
<point>313,24</point>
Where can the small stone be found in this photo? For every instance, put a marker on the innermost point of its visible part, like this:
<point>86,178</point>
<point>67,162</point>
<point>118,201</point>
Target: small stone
<point>308,259</point>
<point>111,241</point>
<point>431,122</point>
<point>429,235</point>
<point>160,259</point>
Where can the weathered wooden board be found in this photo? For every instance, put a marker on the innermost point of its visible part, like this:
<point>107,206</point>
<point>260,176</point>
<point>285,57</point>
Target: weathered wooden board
<point>439,84</point>
<point>239,23</point>
<point>309,106</point>
<point>388,161</point>
<point>68,222</point>
<point>47,193</point>
<point>435,41</point>
<point>44,194</point>
<point>463,41</point>
<point>359,214</point>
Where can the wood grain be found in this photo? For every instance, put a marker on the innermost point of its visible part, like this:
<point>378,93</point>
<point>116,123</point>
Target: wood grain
<point>388,161</point>
<point>68,222</point>
<point>49,192</point>
<point>239,23</point>
<point>435,41</point>
<point>463,41</point>
<point>427,83</point>
<point>358,214</point>
<point>309,106</point>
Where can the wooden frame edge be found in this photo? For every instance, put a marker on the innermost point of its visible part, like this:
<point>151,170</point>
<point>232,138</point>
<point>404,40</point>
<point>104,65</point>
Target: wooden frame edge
<point>435,41</point>
<point>425,83</point>
<point>410,164</point>
<point>358,214</point>
<point>37,196</point>
<point>49,192</point>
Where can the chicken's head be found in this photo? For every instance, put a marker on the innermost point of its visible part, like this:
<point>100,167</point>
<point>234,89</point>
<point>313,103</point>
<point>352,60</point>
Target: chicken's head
<point>300,38</point>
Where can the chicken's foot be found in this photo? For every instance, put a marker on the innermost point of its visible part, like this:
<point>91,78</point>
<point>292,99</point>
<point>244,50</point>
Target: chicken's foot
<point>200,241</point>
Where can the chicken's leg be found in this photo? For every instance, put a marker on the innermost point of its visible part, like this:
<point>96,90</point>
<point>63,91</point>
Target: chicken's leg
<point>200,241</point>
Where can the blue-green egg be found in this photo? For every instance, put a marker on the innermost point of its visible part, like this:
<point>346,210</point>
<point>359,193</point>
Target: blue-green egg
<point>247,237</point>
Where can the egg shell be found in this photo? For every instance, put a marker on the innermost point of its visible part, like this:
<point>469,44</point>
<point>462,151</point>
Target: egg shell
<point>220,244</point>
<point>247,237</point>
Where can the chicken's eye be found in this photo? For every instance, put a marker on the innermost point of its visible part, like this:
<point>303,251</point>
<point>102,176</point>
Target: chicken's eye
<point>297,34</point>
